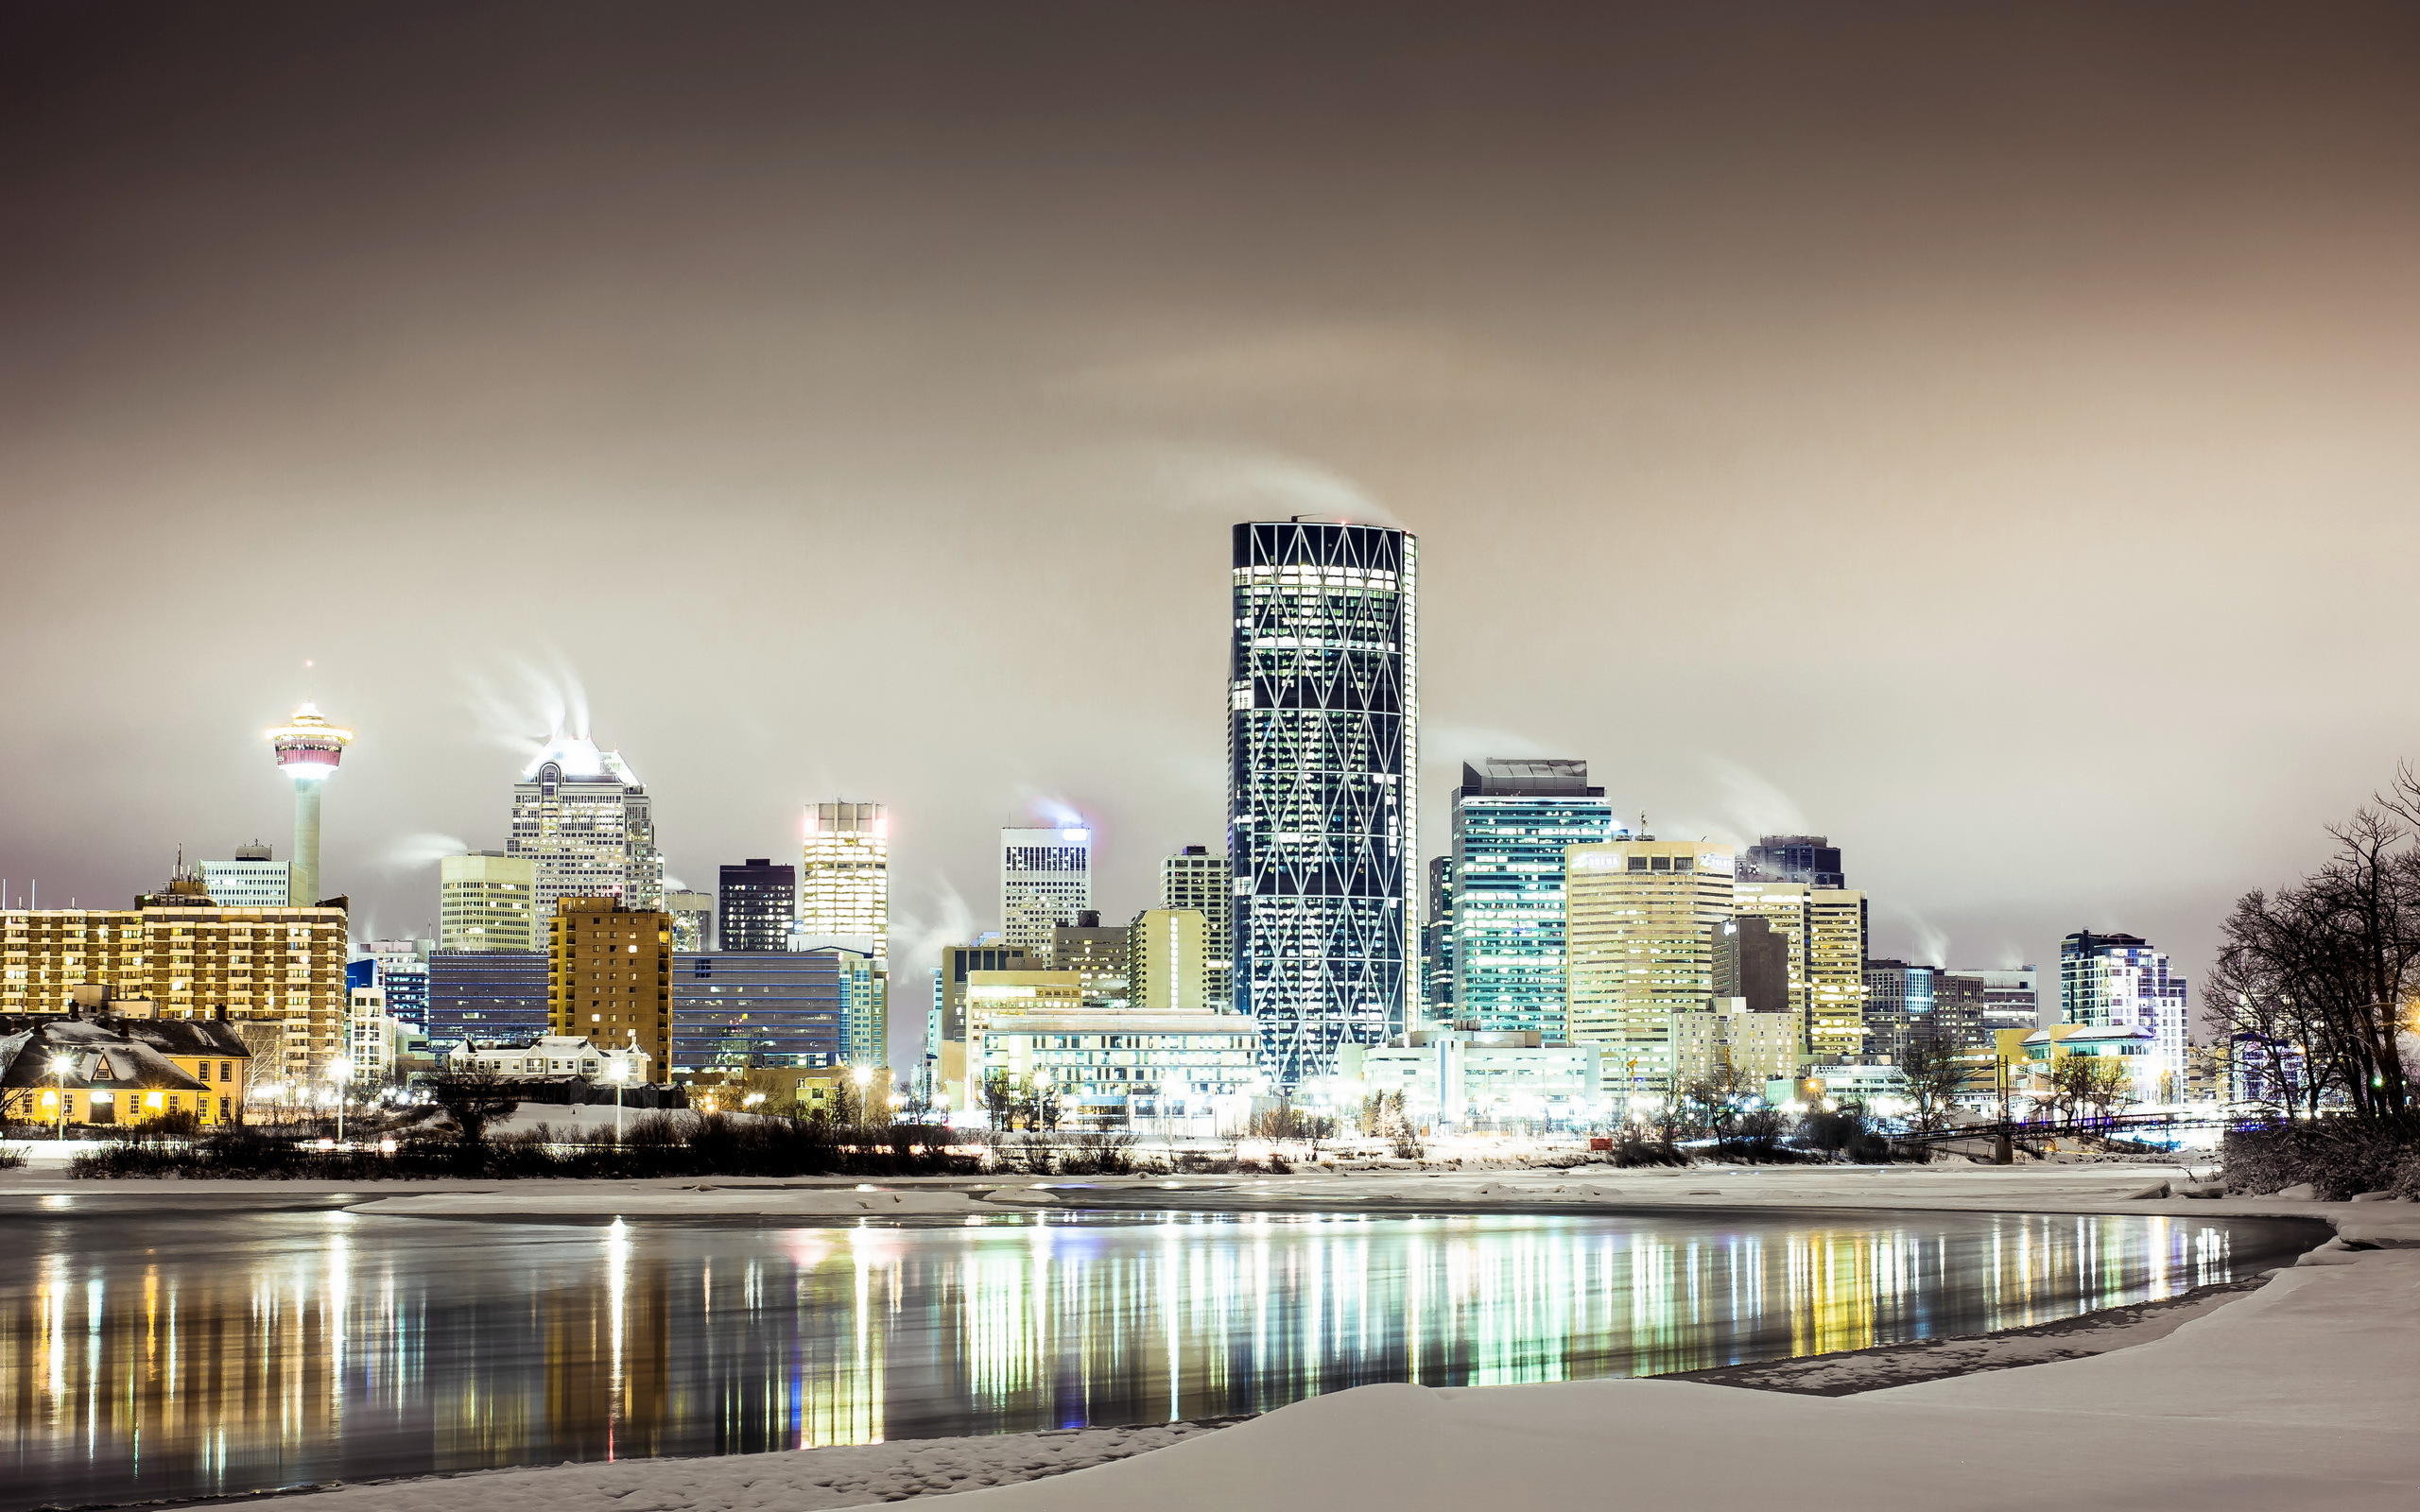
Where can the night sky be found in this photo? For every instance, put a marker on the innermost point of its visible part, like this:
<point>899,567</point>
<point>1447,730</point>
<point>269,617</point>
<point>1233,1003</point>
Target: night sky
<point>1984,435</point>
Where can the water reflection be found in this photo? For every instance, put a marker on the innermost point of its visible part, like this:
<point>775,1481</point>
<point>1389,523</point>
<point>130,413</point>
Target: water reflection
<point>185,1355</point>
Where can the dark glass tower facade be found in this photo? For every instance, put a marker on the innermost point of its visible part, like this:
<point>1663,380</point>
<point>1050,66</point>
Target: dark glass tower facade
<point>1323,762</point>
<point>758,901</point>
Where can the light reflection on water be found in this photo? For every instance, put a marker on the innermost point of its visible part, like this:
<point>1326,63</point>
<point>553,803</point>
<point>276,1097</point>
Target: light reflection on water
<point>189,1355</point>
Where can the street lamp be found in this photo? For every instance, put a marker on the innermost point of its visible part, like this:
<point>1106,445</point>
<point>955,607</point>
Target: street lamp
<point>59,1067</point>
<point>863,1076</point>
<point>341,1072</point>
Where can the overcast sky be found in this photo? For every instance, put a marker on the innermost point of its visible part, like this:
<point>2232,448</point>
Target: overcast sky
<point>1983,435</point>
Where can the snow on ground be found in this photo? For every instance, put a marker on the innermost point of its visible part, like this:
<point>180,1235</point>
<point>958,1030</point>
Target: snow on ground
<point>703,1200</point>
<point>851,1475</point>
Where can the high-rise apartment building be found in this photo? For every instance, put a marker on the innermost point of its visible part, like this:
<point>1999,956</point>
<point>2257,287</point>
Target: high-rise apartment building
<point>308,748</point>
<point>487,900</point>
<point>1096,953</point>
<point>252,880</point>
<point>758,901</point>
<point>609,977</point>
<point>692,921</point>
<point>1645,941</point>
<point>582,817</point>
<point>844,878</point>
<point>1165,953</point>
<point>1195,879</point>
<point>1045,880</point>
<point>1437,943</point>
<point>1824,930</point>
<point>2116,983</point>
<point>2012,996</point>
<point>278,974</point>
<point>1513,818</point>
<point>1809,860</point>
<point>1323,786</point>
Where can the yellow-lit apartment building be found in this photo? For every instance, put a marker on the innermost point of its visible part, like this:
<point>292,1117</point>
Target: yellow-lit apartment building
<point>277,975</point>
<point>1643,938</point>
<point>609,978</point>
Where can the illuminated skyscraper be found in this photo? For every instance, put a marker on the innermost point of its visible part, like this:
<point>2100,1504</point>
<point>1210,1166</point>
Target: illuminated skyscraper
<point>1824,929</point>
<point>308,748</point>
<point>1323,796</point>
<point>252,880</point>
<point>2121,985</point>
<point>844,878</point>
<point>757,902</point>
<point>582,817</point>
<point>1195,879</point>
<point>1512,819</point>
<point>1646,941</point>
<point>1045,880</point>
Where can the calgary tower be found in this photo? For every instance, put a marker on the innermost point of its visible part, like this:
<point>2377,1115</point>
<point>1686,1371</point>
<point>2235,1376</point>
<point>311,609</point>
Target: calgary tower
<point>308,748</point>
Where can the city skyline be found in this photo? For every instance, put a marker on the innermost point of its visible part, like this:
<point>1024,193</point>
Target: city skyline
<point>1961,434</point>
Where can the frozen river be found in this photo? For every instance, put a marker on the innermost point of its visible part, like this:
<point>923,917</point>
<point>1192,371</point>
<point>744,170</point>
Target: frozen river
<point>211,1352</point>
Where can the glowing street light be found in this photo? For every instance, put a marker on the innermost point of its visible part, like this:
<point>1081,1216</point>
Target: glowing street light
<point>341,1072</point>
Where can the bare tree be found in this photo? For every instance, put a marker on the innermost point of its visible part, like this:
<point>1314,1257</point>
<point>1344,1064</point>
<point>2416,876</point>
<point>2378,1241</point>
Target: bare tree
<point>1933,1078</point>
<point>475,1098</point>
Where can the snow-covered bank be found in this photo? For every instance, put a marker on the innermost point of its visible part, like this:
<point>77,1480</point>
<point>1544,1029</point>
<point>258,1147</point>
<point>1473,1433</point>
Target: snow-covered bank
<point>849,1475</point>
<point>2300,1395</point>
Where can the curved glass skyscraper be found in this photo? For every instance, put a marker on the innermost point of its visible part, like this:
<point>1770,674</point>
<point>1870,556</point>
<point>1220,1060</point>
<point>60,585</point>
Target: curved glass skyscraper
<point>1323,787</point>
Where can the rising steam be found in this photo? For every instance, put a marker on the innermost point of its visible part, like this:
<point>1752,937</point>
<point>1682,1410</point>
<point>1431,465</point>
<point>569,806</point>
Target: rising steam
<point>1266,485</point>
<point>528,703</point>
<point>411,853</point>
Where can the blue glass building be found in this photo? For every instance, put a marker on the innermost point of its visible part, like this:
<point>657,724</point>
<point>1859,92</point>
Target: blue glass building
<point>1323,765</point>
<point>732,1009</point>
<point>487,995</point>
<point>1511,820</point>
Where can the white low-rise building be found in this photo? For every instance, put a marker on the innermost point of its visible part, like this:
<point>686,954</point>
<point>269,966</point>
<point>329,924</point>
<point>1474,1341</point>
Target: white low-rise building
<point>1176,1072</point>
<point>554,1054</point>
<point>1455,1076</point>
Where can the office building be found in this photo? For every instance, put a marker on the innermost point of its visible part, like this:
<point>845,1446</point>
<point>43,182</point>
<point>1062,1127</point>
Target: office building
<point>1045,880</point>
<point>308,748</point>
<point>276,973</point>
<point>1194,879</point>
<point>844,878</point>
<point>1459,1077</point>
<point>252,880</point>
<point>1907,1003</point>
<point>2110,983</point>
<point>1513,818</point>
<point>582,817</point>
<point>757,903</point>
<point>1096,953</point>
<point>1646,922</point>
<point>487,900</point>
<point>2012,996</point>
<point>1809,860</point>
<point>399,969</point>
<point>987,995</point>
<point>1323,786</point>
<point>1824,932</point>
<point>1726,1043</point>
<point>609,975</point>
<point>866,1008</point>
<point>945,1024</point>
<point>490,997</point>
<point>733,1009</point>
<point>1172,1073</point>
<point>1437,943</point>
<point>1165,949</point>
<point>1758,970</point>
<point>692,921</point>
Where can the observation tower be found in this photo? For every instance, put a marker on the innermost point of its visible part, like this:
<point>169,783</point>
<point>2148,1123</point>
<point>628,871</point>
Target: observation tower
<point>308,748</point>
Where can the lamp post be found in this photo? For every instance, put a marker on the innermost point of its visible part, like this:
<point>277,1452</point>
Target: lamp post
<point>341,1072</point>
<point>863,1076</point>
<point>59,1066</point>
<point>621,1075</point>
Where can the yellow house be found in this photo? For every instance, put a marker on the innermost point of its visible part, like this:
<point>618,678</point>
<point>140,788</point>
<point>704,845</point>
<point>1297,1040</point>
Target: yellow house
<point>114,1069</point>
